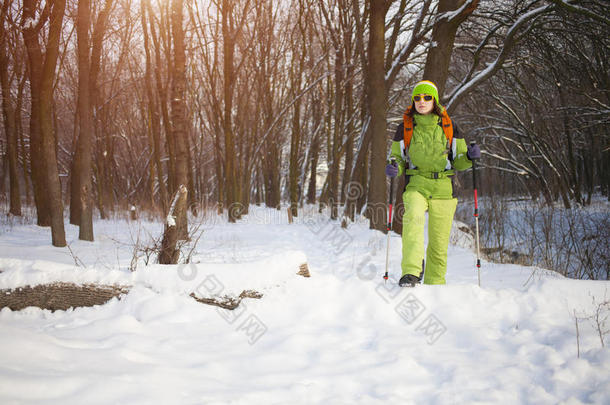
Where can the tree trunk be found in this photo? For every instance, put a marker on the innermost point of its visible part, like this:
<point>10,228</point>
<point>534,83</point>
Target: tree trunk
<point>170,252</point>
<point>162,93</point>
<point>10,128</point>
<point>218,166</point>
<point>179,116</point>
<point>103,170</point>
<point>295,144</point>
<point>47,187</point>
<point>313,169</point>
<point>443,38</point>
<point>376,98</point>
<point>314,150</point>
<point>19,127</point>
<point>35,65</point>
<point>105,201</point>
<point>362,175</point>
<point>272,164</point>
<point>336,137</point>
<point>228,55</point>
<point>83,161</point>
<point>575,179</point>
<point>51,176</point>
<point>349,130</point>
<point>190,178</point>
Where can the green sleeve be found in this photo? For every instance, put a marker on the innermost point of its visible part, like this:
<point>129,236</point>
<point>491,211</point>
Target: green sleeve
<point>460,160</point>
<point>396,153</point>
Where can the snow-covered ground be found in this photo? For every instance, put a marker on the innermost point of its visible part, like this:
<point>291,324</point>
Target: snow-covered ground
<point>341,336</point>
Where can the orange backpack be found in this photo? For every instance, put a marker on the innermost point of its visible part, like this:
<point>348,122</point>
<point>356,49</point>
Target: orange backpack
<point>445,124</point>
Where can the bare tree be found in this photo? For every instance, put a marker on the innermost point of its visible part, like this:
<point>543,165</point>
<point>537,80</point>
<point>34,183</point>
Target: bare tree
<point>153,110</point>
<point>230,29</point>
<point>546,129</point>
<point>42,74</point>
<point>451,13</point>
<point>83,159</point>
<point>179,112</point>
<point>377,105</point>
<point>8,110</point>
<point>89,51</point>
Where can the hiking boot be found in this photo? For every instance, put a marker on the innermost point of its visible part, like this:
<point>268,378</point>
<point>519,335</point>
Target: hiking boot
<point>408,280</point>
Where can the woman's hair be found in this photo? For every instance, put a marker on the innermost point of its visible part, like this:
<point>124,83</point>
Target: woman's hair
<point>435,109</point>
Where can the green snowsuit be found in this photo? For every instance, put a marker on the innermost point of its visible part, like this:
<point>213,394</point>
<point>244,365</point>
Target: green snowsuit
<point>428,164</point>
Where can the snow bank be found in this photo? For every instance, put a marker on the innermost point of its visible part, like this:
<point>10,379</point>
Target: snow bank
<point>203,279</point>
<point>341,336</point>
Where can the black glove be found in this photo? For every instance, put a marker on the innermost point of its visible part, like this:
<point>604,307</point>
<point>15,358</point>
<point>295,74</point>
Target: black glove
<point>391,170</point>
<point>474,151</point>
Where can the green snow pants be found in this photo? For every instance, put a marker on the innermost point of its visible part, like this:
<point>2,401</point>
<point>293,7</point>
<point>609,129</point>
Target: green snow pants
<point>440,218</point>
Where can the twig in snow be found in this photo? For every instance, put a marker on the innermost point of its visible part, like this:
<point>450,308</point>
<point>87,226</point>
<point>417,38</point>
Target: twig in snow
<point>77,261</point>
<point>577,336</point>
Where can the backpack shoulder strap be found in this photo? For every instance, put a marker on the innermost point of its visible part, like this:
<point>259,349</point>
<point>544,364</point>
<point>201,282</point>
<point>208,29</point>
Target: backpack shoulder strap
<point>407,121</point>
<point>447,127</point>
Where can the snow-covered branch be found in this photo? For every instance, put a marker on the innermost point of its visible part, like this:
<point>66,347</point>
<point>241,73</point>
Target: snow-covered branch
<point>572,6</point>
<point>416,36</point>
<point>509,42</point>
<point>466,9</point>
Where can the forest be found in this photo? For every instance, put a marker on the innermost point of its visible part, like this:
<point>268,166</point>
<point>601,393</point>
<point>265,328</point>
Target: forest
<point>118,103</point>
<point>195,202</point>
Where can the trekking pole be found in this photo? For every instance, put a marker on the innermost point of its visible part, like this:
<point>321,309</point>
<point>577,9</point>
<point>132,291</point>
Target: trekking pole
<point>476,214</point>
<point>387,253</point>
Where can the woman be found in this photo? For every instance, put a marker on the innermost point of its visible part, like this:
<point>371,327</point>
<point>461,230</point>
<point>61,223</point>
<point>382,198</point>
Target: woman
<point>428,148</point>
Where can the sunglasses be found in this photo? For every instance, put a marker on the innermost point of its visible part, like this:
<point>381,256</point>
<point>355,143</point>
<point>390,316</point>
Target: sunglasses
<point>426,98</point>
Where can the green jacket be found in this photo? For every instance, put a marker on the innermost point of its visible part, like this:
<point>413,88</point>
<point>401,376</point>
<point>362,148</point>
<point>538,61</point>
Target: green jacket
<point>428,162</point>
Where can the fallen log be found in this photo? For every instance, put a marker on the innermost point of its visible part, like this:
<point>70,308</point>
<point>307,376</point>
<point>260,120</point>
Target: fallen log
<point>228,302</point>
<point>59,296</point>
<point>62,296</point>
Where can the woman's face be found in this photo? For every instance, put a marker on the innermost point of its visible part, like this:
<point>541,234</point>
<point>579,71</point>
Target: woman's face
<point>422,106</point>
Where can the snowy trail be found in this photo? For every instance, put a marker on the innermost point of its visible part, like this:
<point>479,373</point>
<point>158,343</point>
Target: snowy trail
<point>341,336</point>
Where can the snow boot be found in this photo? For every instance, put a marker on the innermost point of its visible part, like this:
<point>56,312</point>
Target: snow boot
<point>408,280</point>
